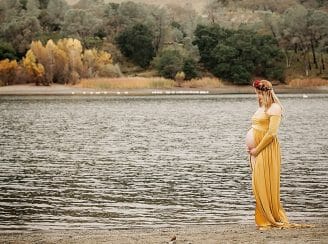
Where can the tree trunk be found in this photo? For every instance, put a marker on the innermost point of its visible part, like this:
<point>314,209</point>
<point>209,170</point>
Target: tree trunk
<point>313,54</point>
<point>305,63</point>
<point>158,40</point>
<point>320,67</point>
<point>295,47</point>
<point>272,31</point>
<point>287,58</point>
<point>322,62</point>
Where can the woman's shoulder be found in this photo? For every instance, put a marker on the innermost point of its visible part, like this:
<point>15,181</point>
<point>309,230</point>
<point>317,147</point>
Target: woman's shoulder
<point>274,109</point>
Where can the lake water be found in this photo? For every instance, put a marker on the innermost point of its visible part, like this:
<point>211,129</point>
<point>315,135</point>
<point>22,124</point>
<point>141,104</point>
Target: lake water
<point>72,162</point>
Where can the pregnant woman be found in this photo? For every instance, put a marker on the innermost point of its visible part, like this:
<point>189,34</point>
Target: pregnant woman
<point>264,149</point>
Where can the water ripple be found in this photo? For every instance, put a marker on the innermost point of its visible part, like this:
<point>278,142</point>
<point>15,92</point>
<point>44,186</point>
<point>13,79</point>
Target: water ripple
<point>121,162</point>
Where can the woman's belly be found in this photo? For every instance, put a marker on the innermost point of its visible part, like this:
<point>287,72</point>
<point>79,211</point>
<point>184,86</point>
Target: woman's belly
<point>250,142</point>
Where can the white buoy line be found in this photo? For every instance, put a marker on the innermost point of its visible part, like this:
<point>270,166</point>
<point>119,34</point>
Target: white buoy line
<point>156,92</point>
<point>180,92</point>
<point>100,93</point>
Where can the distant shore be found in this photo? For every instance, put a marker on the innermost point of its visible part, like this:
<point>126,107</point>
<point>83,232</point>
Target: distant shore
<point>206,234</point>
<point>57,89</point>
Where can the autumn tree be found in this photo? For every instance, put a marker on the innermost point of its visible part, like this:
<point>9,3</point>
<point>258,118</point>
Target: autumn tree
<point>7,71</point>
<point>62,62</point>
<point>35,69</point>
<point>95,61</point>
<point>42,57</point>
<point>58,64</point>
<point>73,48</point>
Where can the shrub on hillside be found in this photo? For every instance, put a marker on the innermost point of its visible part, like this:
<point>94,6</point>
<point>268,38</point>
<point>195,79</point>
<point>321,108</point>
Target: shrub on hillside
<point>168,63</point>
<point>7,51</point>
<point>136,43</point>
<point>171,61</point>
<point>190,69</point>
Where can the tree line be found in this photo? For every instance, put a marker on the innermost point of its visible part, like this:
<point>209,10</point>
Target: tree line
<point>48,41</point>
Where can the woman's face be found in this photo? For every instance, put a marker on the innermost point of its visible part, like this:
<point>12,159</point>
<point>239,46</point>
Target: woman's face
<point>259,95</point>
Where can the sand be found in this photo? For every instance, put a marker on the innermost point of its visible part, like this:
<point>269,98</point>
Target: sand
<point>57,89</point>
<point>239,233</point>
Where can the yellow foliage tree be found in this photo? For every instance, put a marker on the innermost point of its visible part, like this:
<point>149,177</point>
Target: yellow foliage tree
<point>33,67</point>
<point>59,63</point>
<point>7,71</point>
<point>62,62</point>
<point>94,61</point>
<point>41,55</point>
<point>73,49</point>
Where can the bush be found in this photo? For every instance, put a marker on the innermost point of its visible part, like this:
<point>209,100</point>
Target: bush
<point>171,61</point>
<point>136,43</point>
<point>168,63</point>
<point>110,70</point>
<point>190,69</point>
<point>179,77</point>
<point>7,71</point>
<point>7,51</point>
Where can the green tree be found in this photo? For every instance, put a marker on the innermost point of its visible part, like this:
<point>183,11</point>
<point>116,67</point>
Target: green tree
<point>20,32</point>
<point>80,23</point>
<point>7,51</point>
<point>52,15</point>
<point>238,55</point>
<point>169,62</point>
<point>305,31</point>
<point>136,43</point>
<point>43,4</point>
<point>19,26</point>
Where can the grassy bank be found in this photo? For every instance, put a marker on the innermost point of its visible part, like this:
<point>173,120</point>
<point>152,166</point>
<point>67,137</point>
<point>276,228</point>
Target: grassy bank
<point>308,82</point>
<point>147,83</point>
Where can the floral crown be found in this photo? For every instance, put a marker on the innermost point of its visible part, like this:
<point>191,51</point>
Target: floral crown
<point>261,86</point>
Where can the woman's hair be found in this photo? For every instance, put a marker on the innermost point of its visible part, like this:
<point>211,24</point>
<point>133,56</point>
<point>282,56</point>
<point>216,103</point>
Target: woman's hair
<point>264,87</point>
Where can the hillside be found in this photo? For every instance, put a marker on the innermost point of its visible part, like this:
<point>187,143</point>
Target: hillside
<point>197,5</point>
<point>264,38</point>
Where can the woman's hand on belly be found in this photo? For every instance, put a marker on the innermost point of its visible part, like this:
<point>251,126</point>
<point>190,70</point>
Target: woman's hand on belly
<point>252,151</point>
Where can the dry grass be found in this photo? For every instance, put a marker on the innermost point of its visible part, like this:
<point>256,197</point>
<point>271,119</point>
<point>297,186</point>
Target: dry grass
<point>142,82</point>
<point>205,82</point>
<point>299,83</point>
<point>126,83</point>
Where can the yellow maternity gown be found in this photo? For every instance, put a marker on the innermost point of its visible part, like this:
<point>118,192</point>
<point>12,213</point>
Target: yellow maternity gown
<point>266,173</point>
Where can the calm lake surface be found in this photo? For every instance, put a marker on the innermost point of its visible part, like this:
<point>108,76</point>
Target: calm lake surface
<point>72,162</point>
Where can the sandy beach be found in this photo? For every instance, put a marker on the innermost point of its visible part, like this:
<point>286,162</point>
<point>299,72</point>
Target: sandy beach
<point>56,89</point>
<point>238,233</point>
